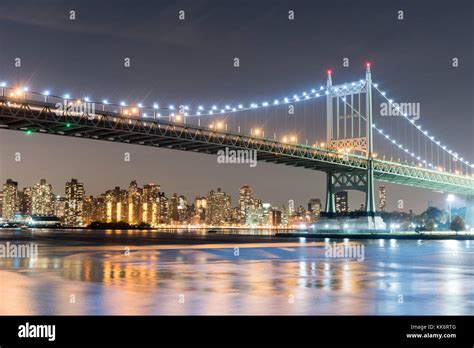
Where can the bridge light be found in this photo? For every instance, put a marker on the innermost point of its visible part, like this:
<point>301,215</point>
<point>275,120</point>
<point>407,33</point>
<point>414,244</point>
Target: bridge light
<point>276,102</point>
<point>265,104</point>
<point>383,93</point>
<point>321,88</point>
<point>313,91</point>
<point>66,96</point>
<point>155,106</point>
<point>286,100</point>
<point>322,145</point>
<point>240,106</point>
<point>25,89</point>
<point>257,131</point>
<point>3,84</point>
<point>285,139</point>
<point>122,103</point>
<point>450,197</point>
<point>105,101</point>
<point>68,125</point>
<point>214,107</point>
<point>46,92</point>
<point>227,107</point>
<point>376,85</point>
<point>293,139</point>
<point>329,72</point>
<point>200,107</point>
<point>86,99</point>
<point>29,132</point>
<point>234,109</point>
<point>220,125</point>
<point>326,92</point>
<point>198,113</point>
<point>139,105</point>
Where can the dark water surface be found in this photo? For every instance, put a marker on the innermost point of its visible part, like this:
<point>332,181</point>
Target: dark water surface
<point>146,273</point>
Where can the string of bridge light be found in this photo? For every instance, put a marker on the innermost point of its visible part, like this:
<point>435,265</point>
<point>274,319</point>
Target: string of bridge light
<point>199,110</point>
<point>424,132</point>
<point>404,149</point>
<point>392,140</point>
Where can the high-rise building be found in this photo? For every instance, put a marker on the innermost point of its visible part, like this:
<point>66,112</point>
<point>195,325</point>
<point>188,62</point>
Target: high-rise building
<point>314,208</point>
<point>200,207</point>
<point>173,206</point>
<point>382,198</point>
<point>218,208</point>
<point>116,202</point>
<point>88,210</point>
<point>60,207</point>
<point>182,209</point>
<point>1,203</point>
<point>341,200</point>
<point>151,204</point>
<point>10,199</point>
<point>134,194</point>
<point>26,201</point>
<point>42,199</point>
<point>245,201</point>
<point>164,209</point>
<point>74,207</point>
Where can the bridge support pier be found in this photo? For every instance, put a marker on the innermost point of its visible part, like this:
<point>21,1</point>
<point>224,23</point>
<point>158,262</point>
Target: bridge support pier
<point>470,212</point>
<point>358,221</point>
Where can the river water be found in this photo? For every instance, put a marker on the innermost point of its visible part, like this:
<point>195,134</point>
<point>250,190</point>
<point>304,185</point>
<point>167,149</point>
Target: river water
<point>146,273</point>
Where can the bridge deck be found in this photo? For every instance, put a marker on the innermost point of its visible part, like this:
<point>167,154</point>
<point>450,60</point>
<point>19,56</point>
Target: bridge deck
<point>105,125</point>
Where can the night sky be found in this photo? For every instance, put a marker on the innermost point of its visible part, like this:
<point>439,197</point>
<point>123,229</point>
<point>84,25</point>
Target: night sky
<point>191,62</point>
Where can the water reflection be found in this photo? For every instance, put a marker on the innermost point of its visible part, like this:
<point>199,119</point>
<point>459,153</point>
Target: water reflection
<point>270,278</point>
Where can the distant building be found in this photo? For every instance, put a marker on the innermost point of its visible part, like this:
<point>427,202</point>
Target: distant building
<point>382,198</point>
<point>314,208</point>
<point>276,217</point>
<point>60,207</point>
<point>200,208</point>
<point>25,201</point>
<point>151,204</point>
<point>342,204</point>
<point>218,208</point>
<point>134,194</point>
<point>74,207</point>
<point>245,202</point>
<point>10,199</point>
<point>165,215</point>
<point>42,199</point>
<point>115,205</point>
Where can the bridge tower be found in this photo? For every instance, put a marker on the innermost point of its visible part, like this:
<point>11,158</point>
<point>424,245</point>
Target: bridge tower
<point>350,131</point>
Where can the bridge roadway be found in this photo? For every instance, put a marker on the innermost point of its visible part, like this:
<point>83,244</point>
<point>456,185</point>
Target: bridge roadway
<point>37,116</point>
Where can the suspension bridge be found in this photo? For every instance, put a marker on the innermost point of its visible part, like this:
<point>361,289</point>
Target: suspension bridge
<point>330,128</point>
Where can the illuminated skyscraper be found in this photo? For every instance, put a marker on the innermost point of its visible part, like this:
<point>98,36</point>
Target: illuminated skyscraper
<point>218,208</point>
<point>89,208</point>
<point>245,202</point>
<point>314,208</point>
<point>182,209</point>
<point>151,204</point>
<point>341,200</point>
<point>200,207</point>
<point>133,200</point>
<point>382,198</point>
<point>74,207</point>
<point>115,205</point>
<point>164,209</point>
<point>42,199</point>
<point>26,201</point>
<point>10,199</point>
<point>60,207</point>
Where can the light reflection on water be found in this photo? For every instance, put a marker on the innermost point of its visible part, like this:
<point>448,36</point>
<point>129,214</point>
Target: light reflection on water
<point>432,277</point>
